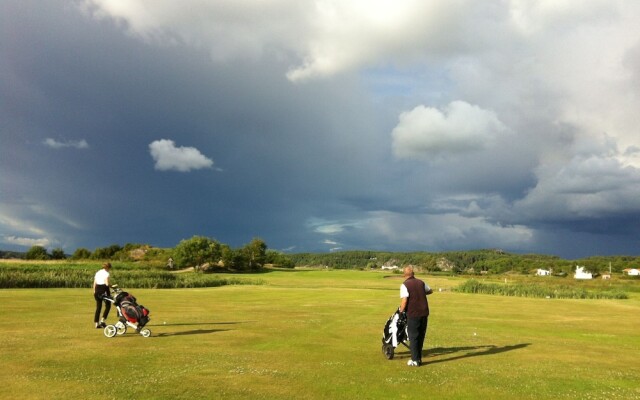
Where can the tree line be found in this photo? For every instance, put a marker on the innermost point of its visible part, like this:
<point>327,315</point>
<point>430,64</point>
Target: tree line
<point>201,251</point>
<point>491,261</point>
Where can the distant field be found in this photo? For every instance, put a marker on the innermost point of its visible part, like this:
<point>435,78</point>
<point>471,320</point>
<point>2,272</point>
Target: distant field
<point>316,335</point>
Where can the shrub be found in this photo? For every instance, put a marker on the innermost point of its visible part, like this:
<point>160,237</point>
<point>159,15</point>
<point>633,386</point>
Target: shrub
<point>106,253</point>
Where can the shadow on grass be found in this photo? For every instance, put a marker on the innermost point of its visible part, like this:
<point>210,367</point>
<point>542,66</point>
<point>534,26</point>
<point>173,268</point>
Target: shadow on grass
<point>199,323</point>
<point>469,351</point>
<point>194,331</point>
<point>191,332</point>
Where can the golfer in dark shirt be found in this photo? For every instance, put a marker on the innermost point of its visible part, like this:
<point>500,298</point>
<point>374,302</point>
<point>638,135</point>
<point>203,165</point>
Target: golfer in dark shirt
<point>413,293</point>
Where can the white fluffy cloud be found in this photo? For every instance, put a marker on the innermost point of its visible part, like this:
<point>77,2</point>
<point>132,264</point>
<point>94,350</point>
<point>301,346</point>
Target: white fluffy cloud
<point>184,159</point>
<point>55,144</point>
<point>226,29</point>
<point>461,128</point>
<point>318,38</point>
<point>26,242</point>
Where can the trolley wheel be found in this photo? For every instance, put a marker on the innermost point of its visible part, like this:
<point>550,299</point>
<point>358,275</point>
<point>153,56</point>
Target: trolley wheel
<point>387,350</point>
<point>145,332</point>
<point>110,330</point>
<point>121,328</point>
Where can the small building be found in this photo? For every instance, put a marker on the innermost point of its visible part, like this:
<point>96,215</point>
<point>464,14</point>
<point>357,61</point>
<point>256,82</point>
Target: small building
<point>582,274</point>
<point>632,271</point>
<point>606,276</point>
<point>543,272</point>
<point>391,267</point>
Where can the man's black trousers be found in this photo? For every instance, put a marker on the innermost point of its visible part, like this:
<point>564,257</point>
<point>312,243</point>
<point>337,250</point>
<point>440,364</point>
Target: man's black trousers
<point>417,330</point>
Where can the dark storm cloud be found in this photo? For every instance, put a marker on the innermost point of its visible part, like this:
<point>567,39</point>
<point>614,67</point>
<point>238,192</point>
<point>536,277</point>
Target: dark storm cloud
<point>280,148</point>
<point>128,123</point>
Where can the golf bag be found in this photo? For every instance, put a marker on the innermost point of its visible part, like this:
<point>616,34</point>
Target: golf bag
<point>130,309</point>
<point>394,333</point>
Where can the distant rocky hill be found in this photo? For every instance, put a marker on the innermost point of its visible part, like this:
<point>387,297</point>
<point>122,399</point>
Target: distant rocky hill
<point>11,254</point>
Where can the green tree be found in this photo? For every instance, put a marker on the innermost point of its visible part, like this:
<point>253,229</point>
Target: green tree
<point>37,253</point>
<point>58,254</point>
<point>254,254</point>
<point>278,259</point>
<point>81,254</point>
<point>197,251</point>
<point>106,253</point>
<point>231,259</point>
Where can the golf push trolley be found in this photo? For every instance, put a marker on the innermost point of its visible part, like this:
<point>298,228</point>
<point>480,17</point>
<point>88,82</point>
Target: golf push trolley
<point>394,333</point>
<point>130,314</point>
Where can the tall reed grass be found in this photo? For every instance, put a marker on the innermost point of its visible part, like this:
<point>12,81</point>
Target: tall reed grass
<point>126,276</point>
<point>537,290</point>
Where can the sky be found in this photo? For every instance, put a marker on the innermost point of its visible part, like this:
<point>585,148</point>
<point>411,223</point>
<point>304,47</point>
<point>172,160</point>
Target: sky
<point>322,125</point>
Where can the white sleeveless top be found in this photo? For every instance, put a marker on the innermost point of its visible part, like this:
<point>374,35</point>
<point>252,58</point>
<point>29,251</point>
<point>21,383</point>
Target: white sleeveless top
<point>101,277</point>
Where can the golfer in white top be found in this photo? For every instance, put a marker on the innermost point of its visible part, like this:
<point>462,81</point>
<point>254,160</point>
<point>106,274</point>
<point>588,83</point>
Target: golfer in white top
<point>100,290</point>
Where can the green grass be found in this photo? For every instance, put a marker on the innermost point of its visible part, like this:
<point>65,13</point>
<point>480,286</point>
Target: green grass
<point>316,335</point>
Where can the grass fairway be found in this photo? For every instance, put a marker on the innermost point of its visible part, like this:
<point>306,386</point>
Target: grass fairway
<point>316,335</point>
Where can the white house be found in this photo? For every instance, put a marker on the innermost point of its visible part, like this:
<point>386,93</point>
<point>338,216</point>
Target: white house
<point>632,271</point>
<point>389,267</point>
<point>543,272</point>
<point>582,274</point>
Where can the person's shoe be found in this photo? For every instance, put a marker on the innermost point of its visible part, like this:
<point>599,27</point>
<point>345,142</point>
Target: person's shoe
<point>102,325</point>
<point>412,363</point>
<point>98,326</point>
